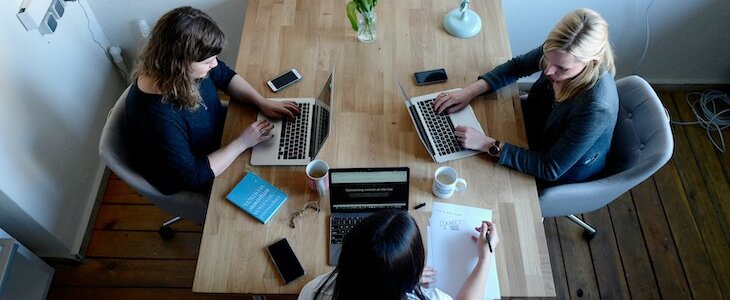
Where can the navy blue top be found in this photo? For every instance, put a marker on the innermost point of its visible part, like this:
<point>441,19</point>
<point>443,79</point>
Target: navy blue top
<point>169,144</point>
<point>569,140</point>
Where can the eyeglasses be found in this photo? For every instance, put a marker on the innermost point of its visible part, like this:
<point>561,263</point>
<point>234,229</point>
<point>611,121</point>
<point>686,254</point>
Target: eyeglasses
<point>308,208</point>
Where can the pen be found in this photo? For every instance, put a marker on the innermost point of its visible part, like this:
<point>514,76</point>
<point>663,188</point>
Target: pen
<point>420,205</point>
<point>489,242</point>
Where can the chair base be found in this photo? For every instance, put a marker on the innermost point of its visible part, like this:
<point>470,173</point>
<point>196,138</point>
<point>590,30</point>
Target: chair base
<point>166,231</point>
<point>588,231</point>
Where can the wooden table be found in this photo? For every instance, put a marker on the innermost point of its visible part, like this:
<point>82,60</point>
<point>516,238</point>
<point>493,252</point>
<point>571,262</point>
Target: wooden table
<point>371,128</point>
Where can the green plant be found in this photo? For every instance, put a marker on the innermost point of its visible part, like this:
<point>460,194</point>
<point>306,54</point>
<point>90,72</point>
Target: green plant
<point>361,6</point>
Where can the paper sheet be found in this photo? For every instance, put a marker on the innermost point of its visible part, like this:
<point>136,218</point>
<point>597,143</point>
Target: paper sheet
<point>452,252</point>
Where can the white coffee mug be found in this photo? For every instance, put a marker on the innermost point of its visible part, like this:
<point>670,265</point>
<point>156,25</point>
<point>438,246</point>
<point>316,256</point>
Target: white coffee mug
<point>317,179</point>
<point>446,181</point>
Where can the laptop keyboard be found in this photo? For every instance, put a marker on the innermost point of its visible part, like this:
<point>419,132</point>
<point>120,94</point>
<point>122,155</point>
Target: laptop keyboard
<point>341,226</point>
<point>441,128</point>
<point>293,139</point>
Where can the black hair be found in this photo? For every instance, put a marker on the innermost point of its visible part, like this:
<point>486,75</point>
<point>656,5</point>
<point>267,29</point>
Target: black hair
<point>382,258</point>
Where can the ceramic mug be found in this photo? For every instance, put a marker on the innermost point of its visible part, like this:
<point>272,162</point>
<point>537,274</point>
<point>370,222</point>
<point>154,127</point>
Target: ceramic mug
<point>317,176</point>
<point>446,181</point>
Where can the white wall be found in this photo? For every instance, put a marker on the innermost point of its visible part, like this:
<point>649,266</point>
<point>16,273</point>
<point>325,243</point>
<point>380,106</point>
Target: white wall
<point>55,92</point>
<point>689,40</point>
<point>119,21</point>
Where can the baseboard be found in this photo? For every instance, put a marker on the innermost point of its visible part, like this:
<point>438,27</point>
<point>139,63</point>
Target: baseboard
<point>98,197</point>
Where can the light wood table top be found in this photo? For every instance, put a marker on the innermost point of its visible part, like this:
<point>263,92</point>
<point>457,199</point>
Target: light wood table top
<point>371,128</point>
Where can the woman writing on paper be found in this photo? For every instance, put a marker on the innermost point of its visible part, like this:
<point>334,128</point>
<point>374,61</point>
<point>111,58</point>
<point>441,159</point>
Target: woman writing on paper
<point>174,115</point>
<point>571,109</point>
<point>383,258</point>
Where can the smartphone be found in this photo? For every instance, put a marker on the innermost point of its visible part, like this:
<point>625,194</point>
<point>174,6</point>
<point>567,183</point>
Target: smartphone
<point>430,76</point>
<point>285,260</point>
<point>284,80</point>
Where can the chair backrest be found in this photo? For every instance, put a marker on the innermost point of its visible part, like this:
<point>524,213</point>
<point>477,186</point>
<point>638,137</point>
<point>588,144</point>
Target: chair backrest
<point>642,143</point>
<point>188,205</point>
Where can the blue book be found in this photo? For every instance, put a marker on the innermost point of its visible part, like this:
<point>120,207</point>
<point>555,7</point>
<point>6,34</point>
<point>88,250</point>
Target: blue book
<point>257,197</point>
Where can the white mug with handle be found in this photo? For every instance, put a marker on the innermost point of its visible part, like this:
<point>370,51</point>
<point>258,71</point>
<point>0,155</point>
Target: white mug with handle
<point>317,179</point>
<point>446,181</point>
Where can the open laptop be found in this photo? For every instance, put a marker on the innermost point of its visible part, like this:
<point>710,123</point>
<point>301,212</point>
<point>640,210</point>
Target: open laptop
<point>437,131</point>
<point>357,193</point>
<point>296,142</point>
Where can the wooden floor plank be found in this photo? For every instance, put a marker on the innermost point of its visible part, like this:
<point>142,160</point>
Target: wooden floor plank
<point>708,164</point>
<point>127,273</point>
<point>634,256</point>
<point>695,260</point>
<point>703,209</point>
<point>556,258</point>
<point>606,257</point>
<point>120,193</point>
<point>138,218</point>
<point>143,244</point>
<point>659,242</point>
<point>113,293</point>
<point>577,259</point>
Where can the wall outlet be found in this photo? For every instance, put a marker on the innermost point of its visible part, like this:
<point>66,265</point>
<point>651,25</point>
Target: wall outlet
<point>57,9</point>
<point>48,25</point>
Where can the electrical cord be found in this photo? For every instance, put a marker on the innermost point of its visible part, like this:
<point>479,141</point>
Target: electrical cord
<point>88,25</point>
<point>712,110</point>
<point>646,43</point>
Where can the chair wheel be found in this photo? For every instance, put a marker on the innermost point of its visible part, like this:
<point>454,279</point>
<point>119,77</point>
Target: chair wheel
<point>166,232</point>
<point>588,235</point>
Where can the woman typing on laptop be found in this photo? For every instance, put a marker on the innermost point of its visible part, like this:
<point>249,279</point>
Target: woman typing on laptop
<point>383,258</point>
<point>174,115</point>
<point>571,109</point>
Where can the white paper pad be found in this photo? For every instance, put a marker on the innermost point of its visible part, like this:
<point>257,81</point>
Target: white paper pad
<point>452,252</point>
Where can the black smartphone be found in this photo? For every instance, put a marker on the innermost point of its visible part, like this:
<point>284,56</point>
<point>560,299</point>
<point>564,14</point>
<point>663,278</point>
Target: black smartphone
<point>283,80</point>
<point>430,76</point>
<point>286,262</point>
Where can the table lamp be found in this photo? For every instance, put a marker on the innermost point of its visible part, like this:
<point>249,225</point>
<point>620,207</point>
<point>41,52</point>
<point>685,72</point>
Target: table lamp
<point>462,22</point>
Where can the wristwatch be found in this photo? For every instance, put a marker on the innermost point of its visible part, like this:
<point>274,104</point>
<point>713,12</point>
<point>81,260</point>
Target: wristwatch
<point>495,149</point>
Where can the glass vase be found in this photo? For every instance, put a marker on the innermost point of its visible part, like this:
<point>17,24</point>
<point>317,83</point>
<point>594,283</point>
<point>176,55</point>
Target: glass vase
<point>366,30</point>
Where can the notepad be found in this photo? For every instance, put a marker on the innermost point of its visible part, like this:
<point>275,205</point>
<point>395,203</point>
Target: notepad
<point>452,252</point>
<point>257,197</point>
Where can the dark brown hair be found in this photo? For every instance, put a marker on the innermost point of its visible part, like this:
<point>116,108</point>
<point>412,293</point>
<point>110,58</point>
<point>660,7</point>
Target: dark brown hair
<point>182,36</point>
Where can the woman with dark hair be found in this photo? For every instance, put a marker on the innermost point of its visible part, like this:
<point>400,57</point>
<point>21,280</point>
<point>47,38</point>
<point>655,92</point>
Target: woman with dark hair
<point>570,112</point>
<point>383,258</point>
<point>174,115</point>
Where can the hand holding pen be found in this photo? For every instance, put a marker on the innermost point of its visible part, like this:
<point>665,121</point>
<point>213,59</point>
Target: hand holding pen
<point>488,238</point>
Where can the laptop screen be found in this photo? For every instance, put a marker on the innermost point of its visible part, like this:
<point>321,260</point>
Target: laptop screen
<point>368,189</point>
<point>322,118</point>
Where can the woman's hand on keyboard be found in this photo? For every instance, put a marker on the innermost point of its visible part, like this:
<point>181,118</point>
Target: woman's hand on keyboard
<point>451,101</point>
<point>255,133</point>
<point>473,139</point>
<point>278,109</point>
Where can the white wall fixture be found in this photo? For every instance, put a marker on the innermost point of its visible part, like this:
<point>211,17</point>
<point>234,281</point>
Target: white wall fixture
<point>41,14</point>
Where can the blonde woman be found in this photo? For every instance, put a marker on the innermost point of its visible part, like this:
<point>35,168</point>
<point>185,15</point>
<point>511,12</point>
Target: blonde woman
<point>570,112</point>
<point>174,115</point>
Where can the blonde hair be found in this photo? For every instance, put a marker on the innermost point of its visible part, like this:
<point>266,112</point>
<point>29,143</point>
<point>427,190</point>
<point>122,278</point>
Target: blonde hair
<point>582,33</point>
<point>182,36</point>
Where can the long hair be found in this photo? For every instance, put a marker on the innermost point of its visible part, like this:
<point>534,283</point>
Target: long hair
<point>381,258</point>
<point>584,34</point>
<point>182,36</point>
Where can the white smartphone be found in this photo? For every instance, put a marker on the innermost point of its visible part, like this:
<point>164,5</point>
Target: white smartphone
<point>283,80</point>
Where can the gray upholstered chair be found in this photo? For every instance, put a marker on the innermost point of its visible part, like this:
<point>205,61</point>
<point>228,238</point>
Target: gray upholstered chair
<point>642,143</point>
<point>183,205</point>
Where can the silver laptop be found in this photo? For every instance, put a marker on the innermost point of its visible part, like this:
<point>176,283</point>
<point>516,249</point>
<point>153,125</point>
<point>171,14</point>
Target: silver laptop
<point>357,193</point>
<point>437,131</point>
<point>297,142</point>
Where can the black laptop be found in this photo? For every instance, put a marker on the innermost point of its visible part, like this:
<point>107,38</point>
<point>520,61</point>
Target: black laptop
<point>357,193</point>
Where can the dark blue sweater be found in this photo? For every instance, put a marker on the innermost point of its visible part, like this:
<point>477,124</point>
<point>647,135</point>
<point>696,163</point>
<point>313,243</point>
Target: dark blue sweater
<point>569,140</point>
<point>170,144</point>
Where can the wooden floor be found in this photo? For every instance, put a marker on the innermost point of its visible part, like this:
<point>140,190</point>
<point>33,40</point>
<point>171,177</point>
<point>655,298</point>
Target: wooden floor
<point>666,238</point>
